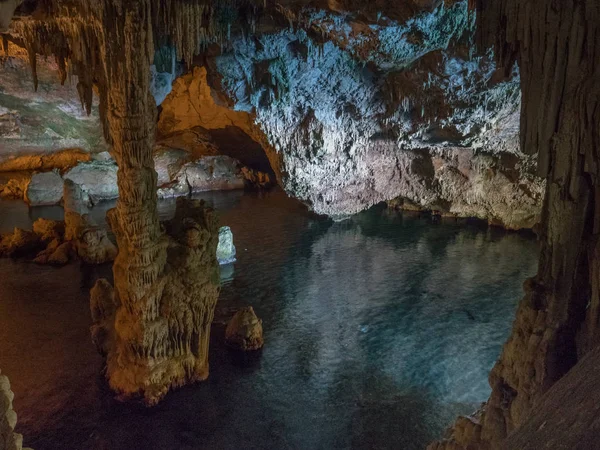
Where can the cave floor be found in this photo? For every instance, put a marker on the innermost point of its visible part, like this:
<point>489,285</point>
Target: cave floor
<point>379,330</point>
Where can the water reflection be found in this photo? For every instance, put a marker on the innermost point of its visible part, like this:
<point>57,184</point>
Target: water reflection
<point>378,331</point>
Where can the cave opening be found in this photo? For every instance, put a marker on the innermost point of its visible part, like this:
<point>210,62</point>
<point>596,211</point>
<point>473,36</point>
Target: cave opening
<point>185,175</point>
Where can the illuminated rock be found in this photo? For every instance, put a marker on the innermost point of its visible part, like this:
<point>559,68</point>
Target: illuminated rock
<point>546,361</point>
<point>167,163</point>
<point>9,440</point>
<point>44,189</point>
<point>97,180</point>
<point>49,230</point>
<point>19,243</point>
<point>90,241</point>
<point>225,250</point>
<point>16,187</point>
<point>172,349</point>
<point>244,331</point>
<point>62,254</point>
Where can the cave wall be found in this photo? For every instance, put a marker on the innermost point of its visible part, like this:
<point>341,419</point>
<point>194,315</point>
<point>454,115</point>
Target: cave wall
<point>355,105</point>
<point>557,46</point>
<point>34,123</point>
<point>362,112</point>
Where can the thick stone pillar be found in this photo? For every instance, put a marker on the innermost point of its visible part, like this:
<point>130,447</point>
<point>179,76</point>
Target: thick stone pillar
<point>154,325</point>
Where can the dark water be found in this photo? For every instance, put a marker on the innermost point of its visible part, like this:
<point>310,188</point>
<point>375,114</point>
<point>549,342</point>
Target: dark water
<point>378,331</point>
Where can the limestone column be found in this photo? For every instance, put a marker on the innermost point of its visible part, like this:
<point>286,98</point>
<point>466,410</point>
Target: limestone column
<point>154,326</point>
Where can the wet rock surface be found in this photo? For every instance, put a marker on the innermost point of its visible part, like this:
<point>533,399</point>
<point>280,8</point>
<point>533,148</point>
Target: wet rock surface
<point>244,331</point>
<point>226,250</point>
<point>9,440</point>
<point>45,188</point>
<point>97,180</point>
<point>58,243</point>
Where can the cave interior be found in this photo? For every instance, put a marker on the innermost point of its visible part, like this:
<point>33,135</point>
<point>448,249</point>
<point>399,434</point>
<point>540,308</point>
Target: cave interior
<point>134,132</point>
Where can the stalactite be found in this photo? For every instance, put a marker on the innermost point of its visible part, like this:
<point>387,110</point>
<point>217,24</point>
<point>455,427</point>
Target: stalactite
<point>557,47</point>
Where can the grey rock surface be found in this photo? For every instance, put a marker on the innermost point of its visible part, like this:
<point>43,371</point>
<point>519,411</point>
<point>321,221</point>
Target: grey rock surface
<point>97,179</point>
<point>226,250</point>
<point>45,188</point>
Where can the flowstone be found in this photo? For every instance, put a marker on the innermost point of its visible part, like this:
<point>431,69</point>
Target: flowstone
<point>161,341</point>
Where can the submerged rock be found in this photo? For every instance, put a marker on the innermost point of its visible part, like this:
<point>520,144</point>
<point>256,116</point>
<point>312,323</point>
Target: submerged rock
<point>102,308</point>
<point>19,243</point>
<point>244,331</point>
<point>49,230</point>
<point>225,250</point>
<point>15,186</point>
<point>45,188</point>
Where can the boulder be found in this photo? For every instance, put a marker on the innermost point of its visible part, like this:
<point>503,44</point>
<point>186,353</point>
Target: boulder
<point>49,230</point>
<point>209,173</point>
<point>168,162</point>
<point>94,246</point>
<point>9,440</point>
<point>213,173</point>
<point>45,188</point>
<point>18,243</point>
<point>244,331</point>
<point>103,156</point>
<point>257,179</point>
<point>97,179</point>
<point>43,256</point>
<point>75,199</point>
<point>61,255</point>
<point>91,241</point>
<point>225,250</point>
<point>16,186</point>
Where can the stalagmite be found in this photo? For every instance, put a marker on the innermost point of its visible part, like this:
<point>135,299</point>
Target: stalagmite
<point>153,325</point>
<point>9,440</point>
<point>557,46</point>
<point>244,331</point>
<point>165,288</point>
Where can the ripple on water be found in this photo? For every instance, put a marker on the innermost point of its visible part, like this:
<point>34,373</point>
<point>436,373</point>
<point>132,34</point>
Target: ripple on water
<point>378,331</point>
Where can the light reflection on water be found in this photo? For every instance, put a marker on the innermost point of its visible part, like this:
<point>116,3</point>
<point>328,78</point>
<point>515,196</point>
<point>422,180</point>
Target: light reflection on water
<point>378,331</point>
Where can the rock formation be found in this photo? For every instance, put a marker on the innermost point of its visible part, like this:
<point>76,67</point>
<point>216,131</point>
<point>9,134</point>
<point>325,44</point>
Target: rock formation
<point>44,188</point>
<point>161,341</point>
<point>353,105</point>
<point>244,331</point>
<point>356,104</point>
<point>19,242</point>
<point>365,108</point>
<point>58,242</point>
<point>9,440</point>
<point>44,125</point>
<point>154,324</point>
<point>566,417</point>
<point>225,250</point>
<point>97,180</point>
<point>556,46</point>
